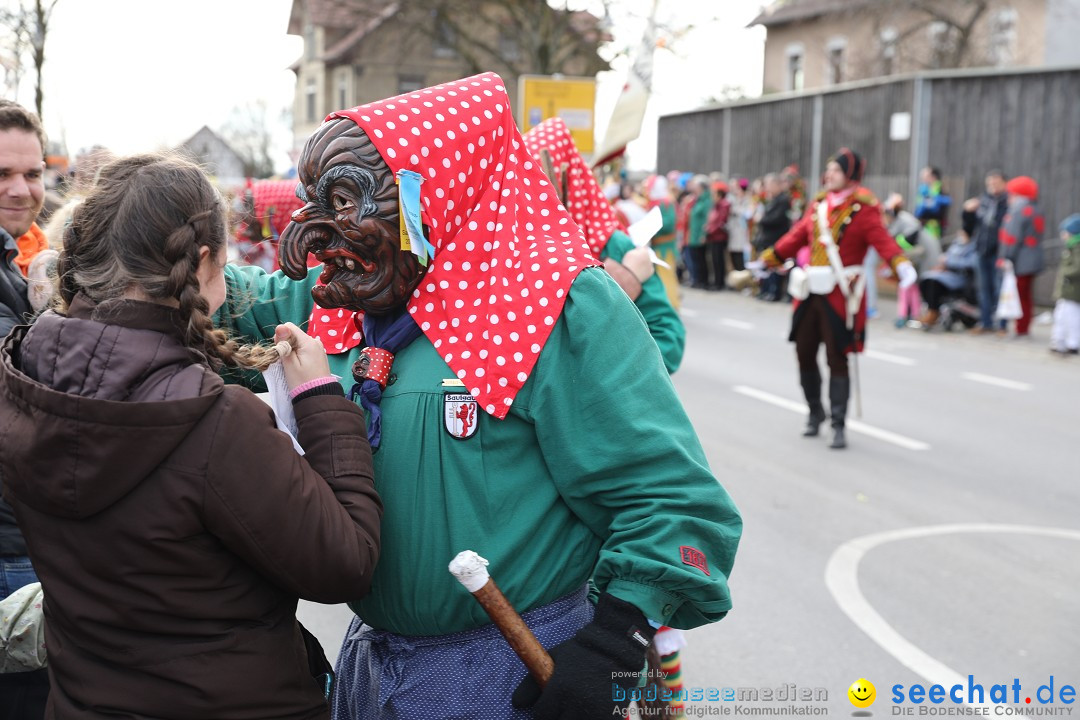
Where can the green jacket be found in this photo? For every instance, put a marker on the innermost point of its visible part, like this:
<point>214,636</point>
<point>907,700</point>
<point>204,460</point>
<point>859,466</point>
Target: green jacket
<point>699,216</point>
<point>663,321</point>
<point>595,473</point>
<point>1068,282</point>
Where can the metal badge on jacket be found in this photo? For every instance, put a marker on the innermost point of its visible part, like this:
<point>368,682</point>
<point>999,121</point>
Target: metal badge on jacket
<point>459,415</point>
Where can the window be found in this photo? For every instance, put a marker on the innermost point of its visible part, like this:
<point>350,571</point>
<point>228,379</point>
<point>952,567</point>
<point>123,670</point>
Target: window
<point>795,77</point>
<point>309,41</point>
<point>942,45</point>
<point>445,39</point>
<point>1002,40</point>
<point>343,88</point>
<point>834,58</point>
<point>309,100</point>
<point>509,48</point>
<point>889,39</point>
<point>410,83</point>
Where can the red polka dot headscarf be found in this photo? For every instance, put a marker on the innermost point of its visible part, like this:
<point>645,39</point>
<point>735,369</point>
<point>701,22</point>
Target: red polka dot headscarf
<point>585,200</point>
<point>506,251</point>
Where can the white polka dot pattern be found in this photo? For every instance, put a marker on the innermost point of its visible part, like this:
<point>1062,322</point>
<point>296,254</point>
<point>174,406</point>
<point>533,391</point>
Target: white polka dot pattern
<point>506,251</point>
<point>585,200</point>
<point>338,330</point>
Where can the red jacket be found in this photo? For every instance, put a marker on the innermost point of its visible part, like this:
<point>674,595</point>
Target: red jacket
<point>856,227</point>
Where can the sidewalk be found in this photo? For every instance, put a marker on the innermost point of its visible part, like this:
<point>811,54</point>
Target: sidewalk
<point>1038,340</point>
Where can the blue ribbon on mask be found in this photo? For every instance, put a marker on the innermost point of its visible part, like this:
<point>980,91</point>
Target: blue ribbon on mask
<point>409,189</point>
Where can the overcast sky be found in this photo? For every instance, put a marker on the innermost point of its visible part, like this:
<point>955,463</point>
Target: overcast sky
<point>137,75</point>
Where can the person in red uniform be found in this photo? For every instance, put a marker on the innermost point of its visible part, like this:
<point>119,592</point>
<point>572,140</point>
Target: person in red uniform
<point>842,223</point>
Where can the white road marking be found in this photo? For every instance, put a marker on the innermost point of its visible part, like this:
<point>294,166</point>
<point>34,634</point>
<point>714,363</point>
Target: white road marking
<point>996,381</point>
<point>842,580</point>
<point>737,324</point>
<point>687,312</point>
<point>889,357</point>
<point>853,425</point>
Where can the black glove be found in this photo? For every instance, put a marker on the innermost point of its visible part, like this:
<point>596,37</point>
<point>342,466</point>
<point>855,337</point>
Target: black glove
<point>594,669</point>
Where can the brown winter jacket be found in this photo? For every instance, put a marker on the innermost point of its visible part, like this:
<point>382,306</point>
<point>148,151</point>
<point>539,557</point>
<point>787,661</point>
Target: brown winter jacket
<point>172,526</point>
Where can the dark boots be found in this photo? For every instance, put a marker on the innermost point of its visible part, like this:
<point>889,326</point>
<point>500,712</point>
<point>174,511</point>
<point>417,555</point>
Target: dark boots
<point>839,391</point>
<point>811,385</point>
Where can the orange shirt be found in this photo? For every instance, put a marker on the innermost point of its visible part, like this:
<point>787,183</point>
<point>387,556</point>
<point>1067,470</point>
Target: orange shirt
<point>30,244</point>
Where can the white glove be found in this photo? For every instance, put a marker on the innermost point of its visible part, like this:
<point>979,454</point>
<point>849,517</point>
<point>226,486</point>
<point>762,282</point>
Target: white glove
<point>907,275</point>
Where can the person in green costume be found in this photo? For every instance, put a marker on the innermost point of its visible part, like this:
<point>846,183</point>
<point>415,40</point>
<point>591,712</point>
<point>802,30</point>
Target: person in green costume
<point>632,268</point>
<point>699,217</point>
<point>519,407</point>
<point>663,243</point>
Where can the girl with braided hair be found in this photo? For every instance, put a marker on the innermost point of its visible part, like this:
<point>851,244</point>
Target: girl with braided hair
<point>172,525</point>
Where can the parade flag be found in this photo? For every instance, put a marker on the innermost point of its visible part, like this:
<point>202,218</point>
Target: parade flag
<point>629,112</point>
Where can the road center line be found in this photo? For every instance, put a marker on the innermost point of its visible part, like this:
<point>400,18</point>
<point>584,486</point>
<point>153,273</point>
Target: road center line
<point>853,425</point>
<point>996,381</point>
<point>842,580</point>
<point>889,357</point>
<point>737,324</point>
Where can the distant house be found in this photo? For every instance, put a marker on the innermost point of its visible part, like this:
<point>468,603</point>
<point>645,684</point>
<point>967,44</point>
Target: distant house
<point>364,50</point>
<point>817,43</point>
<point>216,156</point>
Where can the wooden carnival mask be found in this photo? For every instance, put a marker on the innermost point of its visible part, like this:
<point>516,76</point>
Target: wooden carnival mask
<point>350,223</point>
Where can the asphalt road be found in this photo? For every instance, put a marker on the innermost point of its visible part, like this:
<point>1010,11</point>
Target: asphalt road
<point>944,542</point>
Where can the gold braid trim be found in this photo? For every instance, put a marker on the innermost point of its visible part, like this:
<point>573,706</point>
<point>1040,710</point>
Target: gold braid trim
<point>818,255</point>
<point>896,262</point>
<point>770,258</point>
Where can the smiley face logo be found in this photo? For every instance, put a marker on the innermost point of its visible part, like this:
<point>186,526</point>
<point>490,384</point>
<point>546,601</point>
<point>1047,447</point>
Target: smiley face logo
<point>862,693</point>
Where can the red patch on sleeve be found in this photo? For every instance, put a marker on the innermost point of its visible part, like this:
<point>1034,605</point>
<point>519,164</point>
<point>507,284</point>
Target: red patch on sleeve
<point>694,558</point>
<point>1031,241</point>
<point>1029,211</point>
<point>1040,224</point>
<point>1007,239</point>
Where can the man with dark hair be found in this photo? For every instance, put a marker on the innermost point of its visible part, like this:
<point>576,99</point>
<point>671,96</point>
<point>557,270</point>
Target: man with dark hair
<point>841,224</point>
<point>774,222</point>
<point>22,193</point>
<point>983,215</point>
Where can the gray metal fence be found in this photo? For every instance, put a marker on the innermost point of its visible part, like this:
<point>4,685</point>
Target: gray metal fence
<point>966,123</point>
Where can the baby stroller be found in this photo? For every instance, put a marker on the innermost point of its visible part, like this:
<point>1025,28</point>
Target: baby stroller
<point>949,290</point>
<point>961,306</point>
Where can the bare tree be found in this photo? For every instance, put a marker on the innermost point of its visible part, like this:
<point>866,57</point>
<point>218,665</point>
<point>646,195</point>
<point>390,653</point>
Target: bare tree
<point>250,132</point>
<point>523,36</point>
<point>923,34</point>
<point>28,27</point>
<point>15,40</point>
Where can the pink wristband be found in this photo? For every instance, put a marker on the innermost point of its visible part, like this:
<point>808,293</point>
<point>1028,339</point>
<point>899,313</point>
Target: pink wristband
<point>311,384</point>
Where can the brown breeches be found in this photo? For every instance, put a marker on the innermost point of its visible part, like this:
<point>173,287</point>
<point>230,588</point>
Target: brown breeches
<point>815,326</point>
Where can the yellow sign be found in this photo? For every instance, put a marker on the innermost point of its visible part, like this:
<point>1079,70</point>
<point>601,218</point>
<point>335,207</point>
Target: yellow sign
<point>571,98</point>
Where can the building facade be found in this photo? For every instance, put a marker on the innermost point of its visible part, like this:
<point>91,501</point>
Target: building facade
<point>814,44</point>
<point>358,51</point>
<point>216,156</point>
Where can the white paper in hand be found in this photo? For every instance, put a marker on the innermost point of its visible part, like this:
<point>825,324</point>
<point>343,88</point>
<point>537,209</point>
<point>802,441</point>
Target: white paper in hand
<point>644,230</point>
<point>278,400</point>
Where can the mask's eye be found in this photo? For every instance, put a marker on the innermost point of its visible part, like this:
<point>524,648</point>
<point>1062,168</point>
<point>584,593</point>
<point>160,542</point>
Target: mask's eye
<point>340,203</point>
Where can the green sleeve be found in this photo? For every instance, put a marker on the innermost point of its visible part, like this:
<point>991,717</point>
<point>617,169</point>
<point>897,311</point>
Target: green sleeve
<point>699,217</point>
<point>663,321</point>
<point>256,302</point>
<point>628,463</point>
<point>667,212</point>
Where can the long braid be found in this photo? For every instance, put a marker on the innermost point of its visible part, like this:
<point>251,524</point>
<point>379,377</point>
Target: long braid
<point>212,343</point>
